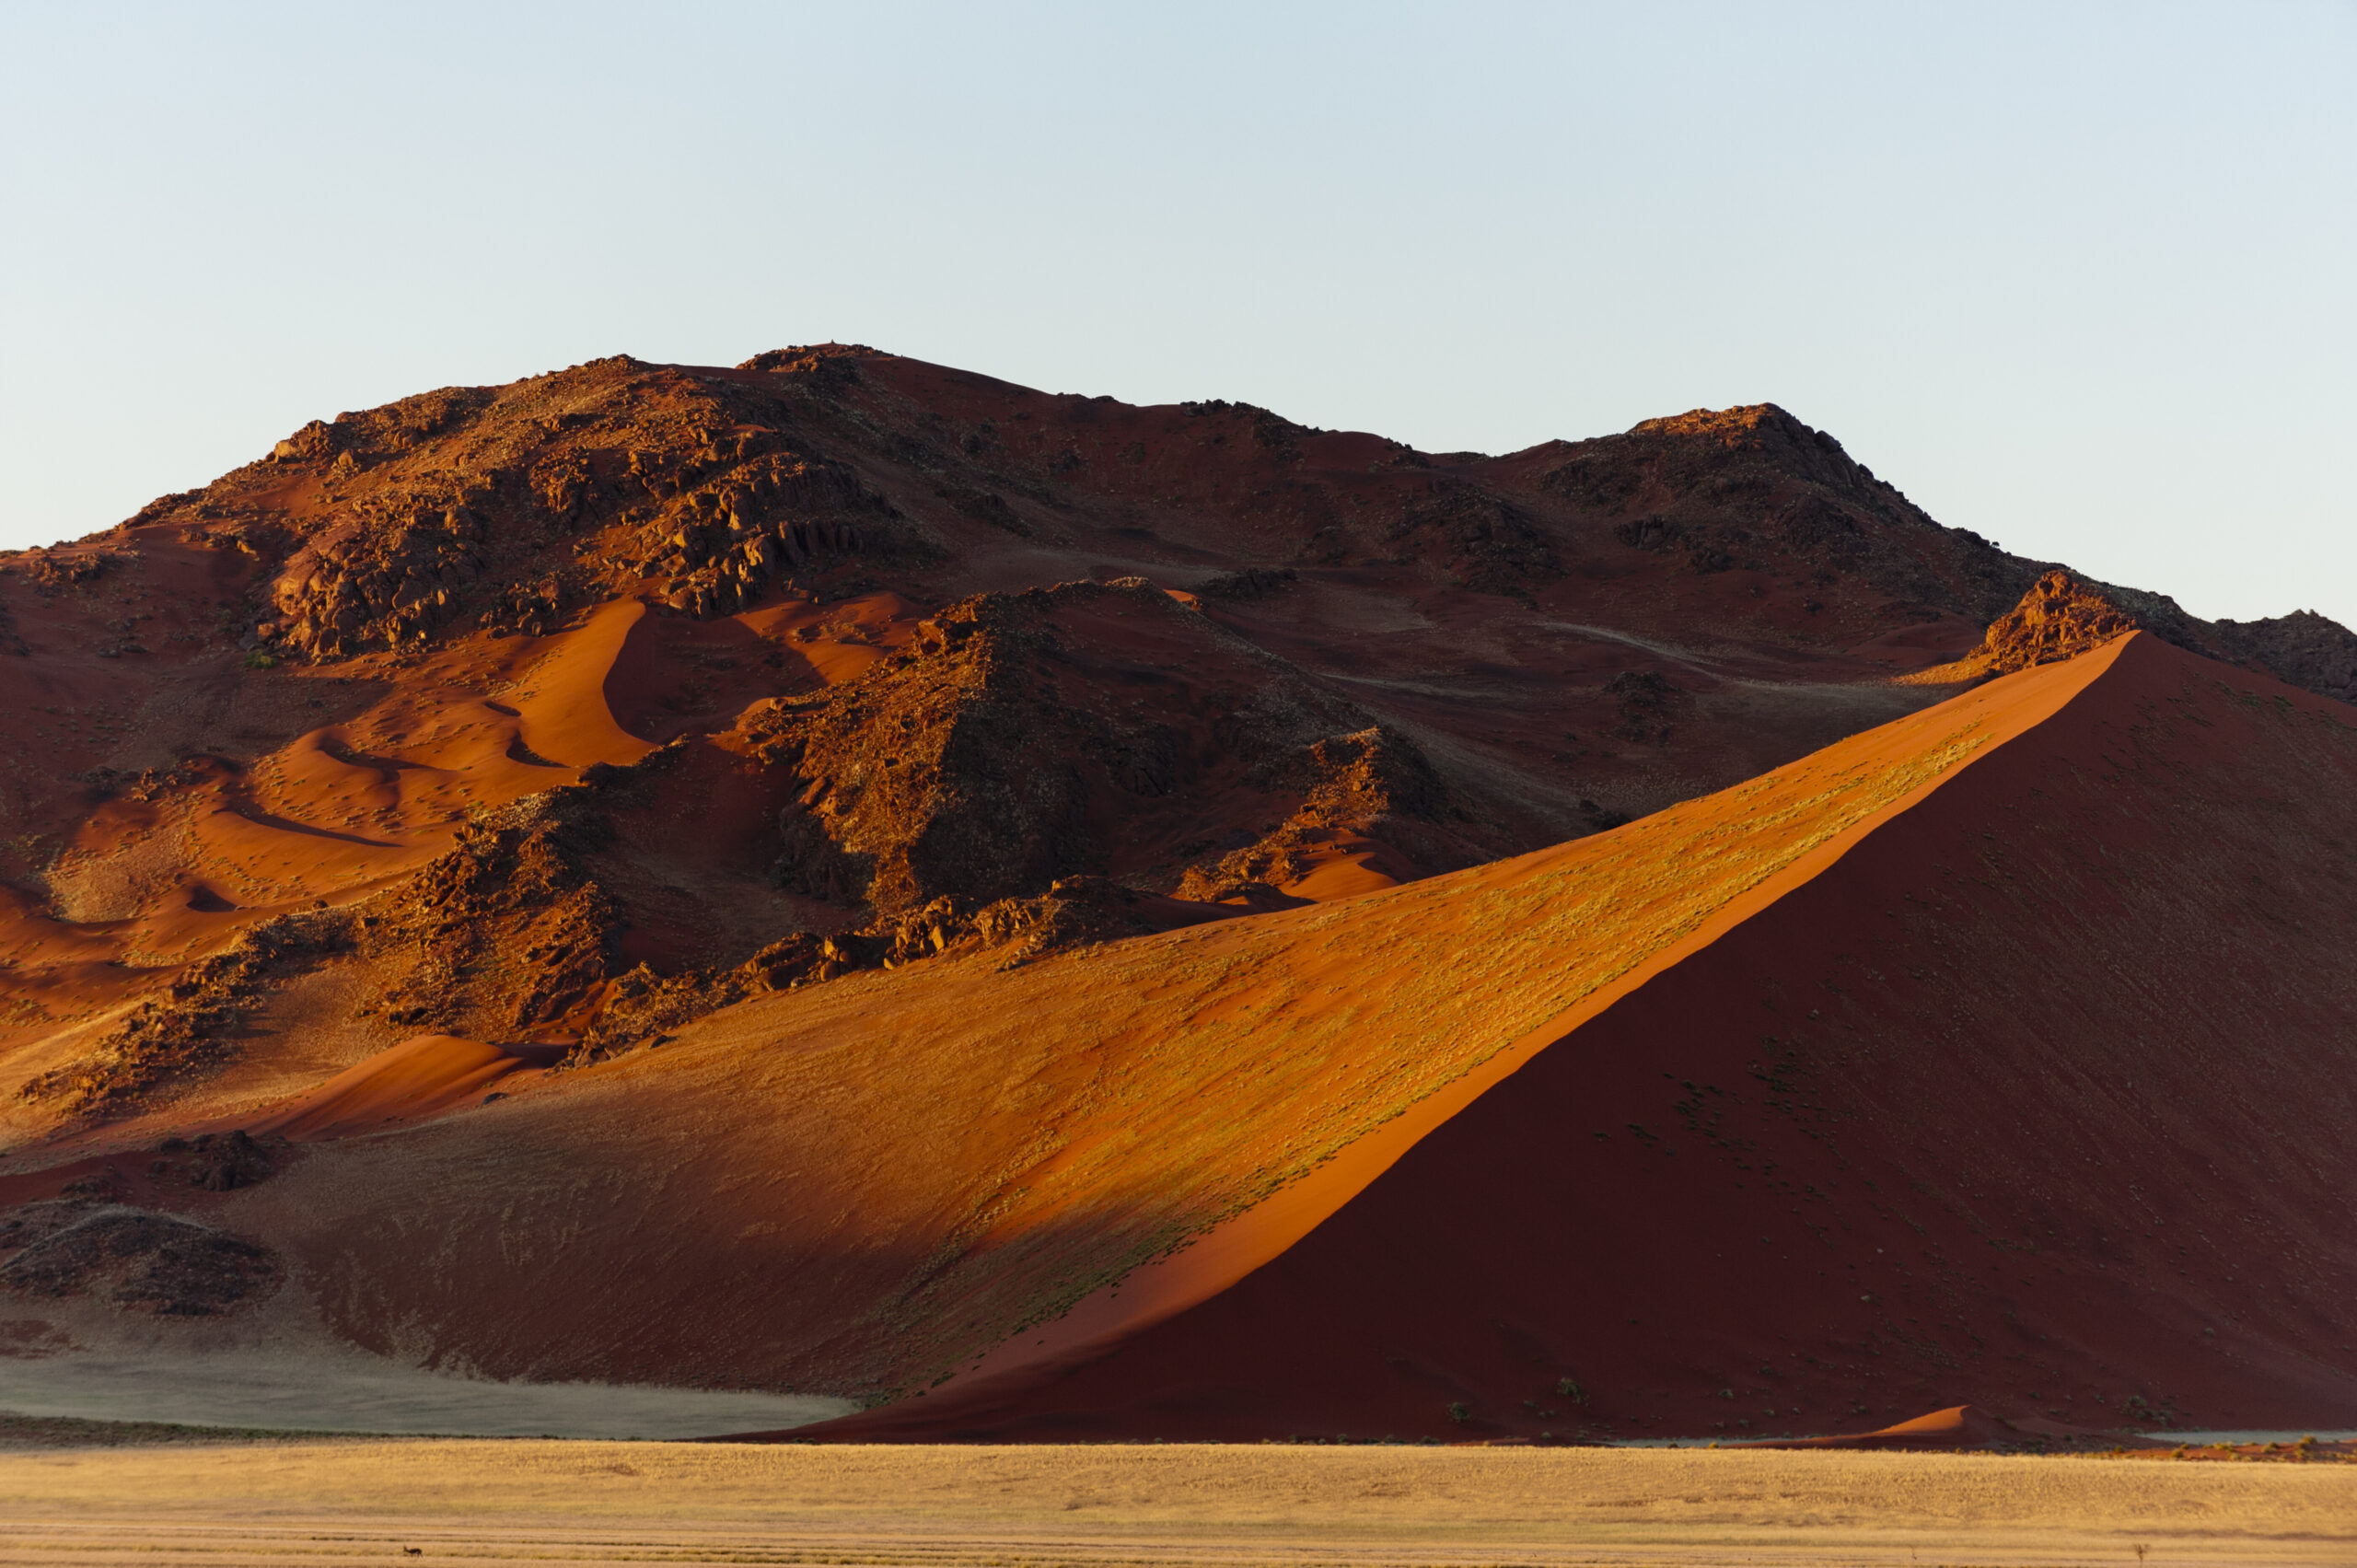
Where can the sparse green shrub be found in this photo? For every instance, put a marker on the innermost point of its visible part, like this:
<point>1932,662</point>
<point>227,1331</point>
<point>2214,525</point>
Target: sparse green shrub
<point>1458,1413</point>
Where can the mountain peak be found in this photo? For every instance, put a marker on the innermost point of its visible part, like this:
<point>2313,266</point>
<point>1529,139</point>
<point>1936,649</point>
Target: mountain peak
<point>1749,419</point>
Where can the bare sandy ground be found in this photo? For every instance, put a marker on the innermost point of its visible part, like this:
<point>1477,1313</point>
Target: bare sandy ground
<point>342,1502</point>
<point>275,1368</point>
<point>370,1394</point>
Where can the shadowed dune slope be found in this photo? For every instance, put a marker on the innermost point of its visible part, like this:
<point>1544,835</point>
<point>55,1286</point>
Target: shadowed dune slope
<point>863,1187</point>
<point>2041,1098</point>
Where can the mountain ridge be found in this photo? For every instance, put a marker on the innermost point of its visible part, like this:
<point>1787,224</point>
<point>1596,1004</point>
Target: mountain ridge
<point>842,875</point>
<point>861,596</point>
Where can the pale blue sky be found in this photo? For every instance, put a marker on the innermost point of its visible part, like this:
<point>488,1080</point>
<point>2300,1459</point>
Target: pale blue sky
<point>2077,276</point>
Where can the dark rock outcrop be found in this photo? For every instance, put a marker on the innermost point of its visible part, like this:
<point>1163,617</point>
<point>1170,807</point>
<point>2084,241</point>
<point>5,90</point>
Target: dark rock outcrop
<point>135,1260</point>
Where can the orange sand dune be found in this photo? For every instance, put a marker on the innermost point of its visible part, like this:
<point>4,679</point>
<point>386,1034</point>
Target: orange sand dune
<point>565,701</point>
<point>339,812</point>
<point>415,1079</point>
<point>321,766</point>
<point>1081,1115</point>
<point>1991,1106</point>
<point>1346,868</point>
<point>671,676</point>
<point>1958,1426</point>
<point>1947,1063</point>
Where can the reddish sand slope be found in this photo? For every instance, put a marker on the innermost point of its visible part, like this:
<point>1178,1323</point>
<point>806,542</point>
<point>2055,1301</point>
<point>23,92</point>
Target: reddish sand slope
<point>416,1078</point>
<point>2041,1098</point>
<point>2000,1055</point>
<point>863,1185</point>
<point>1958,1426</point>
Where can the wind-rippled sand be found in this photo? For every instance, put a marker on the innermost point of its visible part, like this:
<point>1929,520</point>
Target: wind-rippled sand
<point>342,1502</point>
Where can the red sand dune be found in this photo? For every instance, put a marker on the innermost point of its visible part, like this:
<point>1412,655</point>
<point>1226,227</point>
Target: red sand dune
<point>1998,1053</point>
<point>415,1079</point>
<point>1947,1063</point>
<point>1995,1105</point>
<point>1969,1426</point>
<point>1958,1426</point>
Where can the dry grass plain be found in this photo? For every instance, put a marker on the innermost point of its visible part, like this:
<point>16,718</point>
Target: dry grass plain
<point>357,1501</point>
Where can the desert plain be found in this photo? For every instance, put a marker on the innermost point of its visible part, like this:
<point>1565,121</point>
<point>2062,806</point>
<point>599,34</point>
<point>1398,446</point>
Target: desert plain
<point>345,1501</point>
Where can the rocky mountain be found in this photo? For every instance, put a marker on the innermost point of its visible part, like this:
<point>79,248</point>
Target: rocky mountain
<point>505,743</point>
<point>907,644</point>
